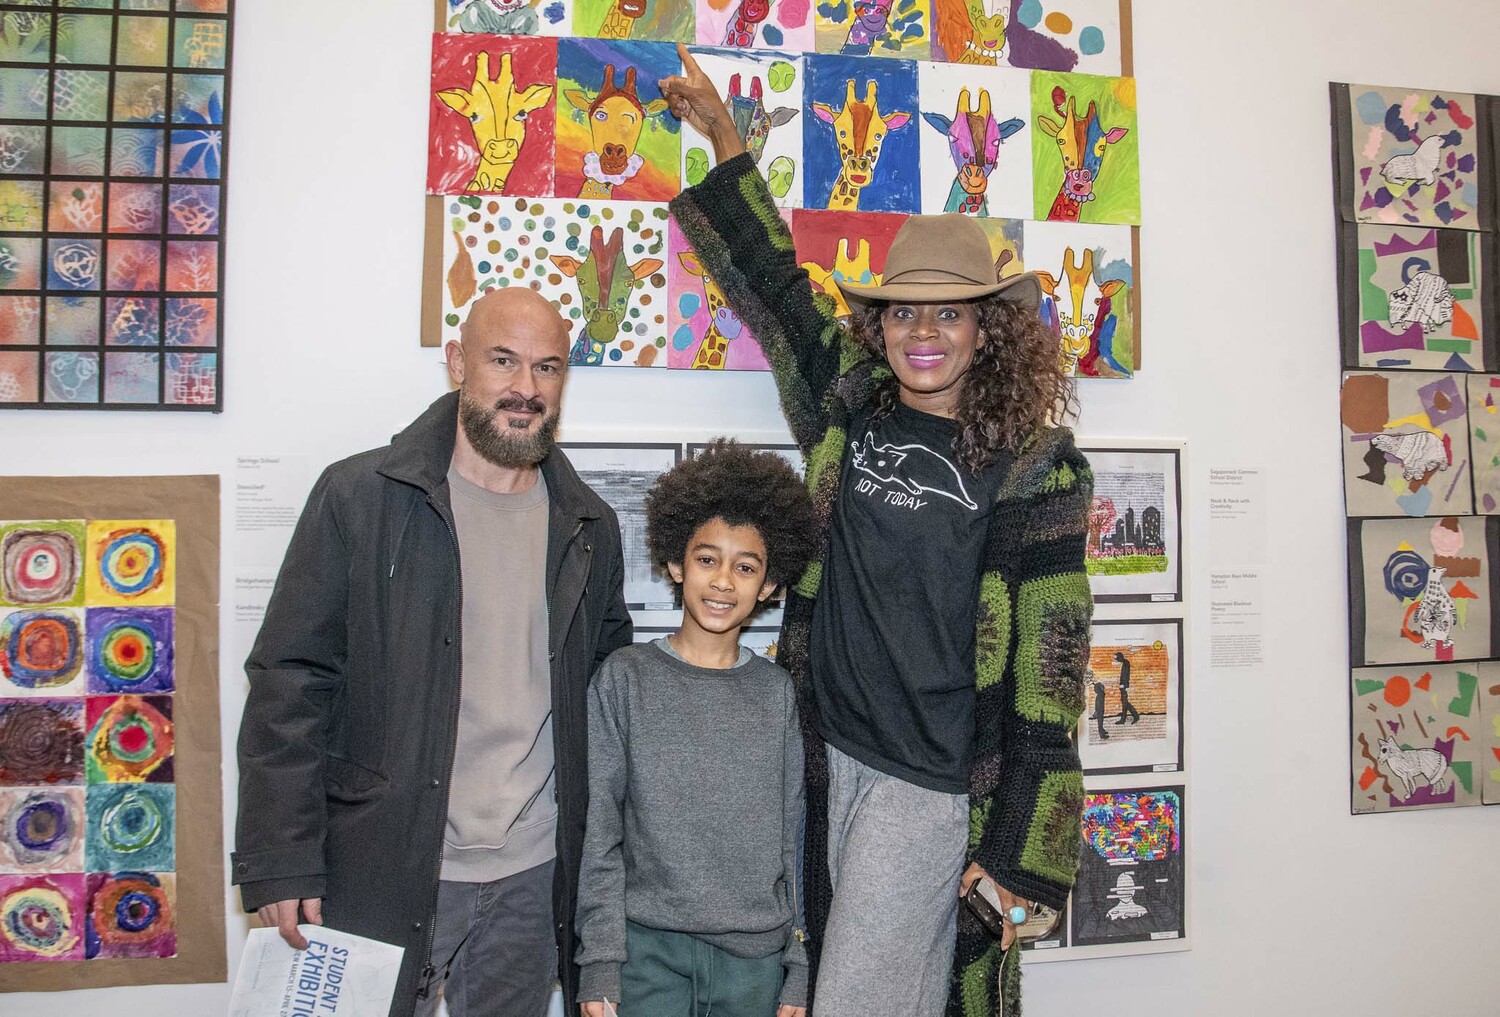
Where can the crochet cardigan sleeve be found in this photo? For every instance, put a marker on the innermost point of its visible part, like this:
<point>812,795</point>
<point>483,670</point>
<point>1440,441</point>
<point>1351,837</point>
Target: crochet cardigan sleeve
<point>732,222</point>
<point>1027,833</point>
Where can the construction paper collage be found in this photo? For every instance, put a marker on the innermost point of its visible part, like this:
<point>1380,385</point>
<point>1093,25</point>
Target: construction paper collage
<point>552,157</point>
<point>1420,413</point>
<point>112,166</point>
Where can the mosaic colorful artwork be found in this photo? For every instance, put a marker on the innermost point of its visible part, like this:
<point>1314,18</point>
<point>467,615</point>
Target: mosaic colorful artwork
<point>112,159</point>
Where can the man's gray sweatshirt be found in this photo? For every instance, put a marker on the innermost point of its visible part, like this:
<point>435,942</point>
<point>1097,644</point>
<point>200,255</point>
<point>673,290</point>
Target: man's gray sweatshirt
<point>695,800</point>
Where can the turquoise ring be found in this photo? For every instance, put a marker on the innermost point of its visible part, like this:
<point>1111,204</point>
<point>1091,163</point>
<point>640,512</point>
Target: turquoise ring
<point>1017,915</point>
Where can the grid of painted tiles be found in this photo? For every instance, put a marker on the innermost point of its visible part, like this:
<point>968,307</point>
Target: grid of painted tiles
<point>88,804</point>
<point>112,120</point>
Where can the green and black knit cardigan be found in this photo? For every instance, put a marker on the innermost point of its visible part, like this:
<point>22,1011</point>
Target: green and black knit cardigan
<point>1031,652</point>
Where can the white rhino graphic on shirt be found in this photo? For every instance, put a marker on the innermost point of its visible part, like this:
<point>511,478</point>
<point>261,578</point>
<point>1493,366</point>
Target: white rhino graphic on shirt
<point>913,468</point>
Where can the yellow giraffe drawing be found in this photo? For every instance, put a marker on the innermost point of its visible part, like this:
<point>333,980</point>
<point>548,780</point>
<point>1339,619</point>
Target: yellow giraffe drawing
<point>620,19</point>
<point>859,129</point>
<point>724,325</point>
<point>615,117</point>
<point>496,112</point>
<point>853,268</point>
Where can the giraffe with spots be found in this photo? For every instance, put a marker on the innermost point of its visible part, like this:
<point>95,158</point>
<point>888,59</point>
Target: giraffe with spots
<point>724,326</point>
<point>859,129</point>
<point>605,280</point>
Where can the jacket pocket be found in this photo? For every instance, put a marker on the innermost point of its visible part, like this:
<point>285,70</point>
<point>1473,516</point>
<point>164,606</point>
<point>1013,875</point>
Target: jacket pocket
<point>347,781</point>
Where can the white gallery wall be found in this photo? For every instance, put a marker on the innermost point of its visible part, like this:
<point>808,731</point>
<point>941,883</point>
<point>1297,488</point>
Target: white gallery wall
<point>1297,907</point>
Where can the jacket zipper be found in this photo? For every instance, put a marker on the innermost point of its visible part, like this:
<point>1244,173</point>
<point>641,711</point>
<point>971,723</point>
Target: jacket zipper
<point>427,969</point>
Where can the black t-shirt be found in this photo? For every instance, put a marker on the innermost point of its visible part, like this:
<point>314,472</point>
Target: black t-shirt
<point>892,654</point>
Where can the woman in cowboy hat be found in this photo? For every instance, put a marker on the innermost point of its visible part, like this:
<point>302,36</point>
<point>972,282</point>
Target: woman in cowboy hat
<point>939,641</point>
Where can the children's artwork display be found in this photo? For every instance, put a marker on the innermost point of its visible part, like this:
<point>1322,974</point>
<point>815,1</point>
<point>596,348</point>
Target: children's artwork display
<point>1406,447</point>
<point>1418,739</point>
<point>1131,876</point>
<point>1085,149</point>
<point>1417,298</point>
<point>1134,543</point>
<point>563,104</point>
<point>109,733</point>
<point>621,474</point>
<point>493,118</point>
<point>1411,157</point>
<point>763,92</point>
<point>112,167</point>
<point>601,263</point>
<point>975,140</point>
<point>615,139</point>
<point>1088,283</point>
<point>1422,590</point>
<point>861,149</point>
<point>1414,178</point>
<point>1133,718</point>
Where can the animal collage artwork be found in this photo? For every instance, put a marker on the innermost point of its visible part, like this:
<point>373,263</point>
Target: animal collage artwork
<point>552,157</point>
<point>1420,408</point>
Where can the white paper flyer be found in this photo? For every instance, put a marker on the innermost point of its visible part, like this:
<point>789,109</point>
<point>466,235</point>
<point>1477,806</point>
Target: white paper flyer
<point>338,975</point>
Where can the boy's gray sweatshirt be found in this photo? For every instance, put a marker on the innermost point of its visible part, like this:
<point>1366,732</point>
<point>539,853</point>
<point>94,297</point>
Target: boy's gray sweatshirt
<point>695,800</point>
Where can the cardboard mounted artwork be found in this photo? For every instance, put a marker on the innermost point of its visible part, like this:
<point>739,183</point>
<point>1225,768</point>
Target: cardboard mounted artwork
<point>111,856</point>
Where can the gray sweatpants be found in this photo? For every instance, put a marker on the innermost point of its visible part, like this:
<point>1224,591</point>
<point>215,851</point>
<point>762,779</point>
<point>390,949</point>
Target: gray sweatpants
<point>896,854</point>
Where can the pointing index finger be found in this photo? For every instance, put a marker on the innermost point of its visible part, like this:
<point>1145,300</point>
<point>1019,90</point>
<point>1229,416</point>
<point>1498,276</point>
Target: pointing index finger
<point>690,66</point>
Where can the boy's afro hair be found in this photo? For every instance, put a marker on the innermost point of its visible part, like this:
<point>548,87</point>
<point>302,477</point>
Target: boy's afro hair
<point>744,488</point>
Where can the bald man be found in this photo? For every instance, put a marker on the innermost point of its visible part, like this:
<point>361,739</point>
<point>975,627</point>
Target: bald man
<point>413,751</point>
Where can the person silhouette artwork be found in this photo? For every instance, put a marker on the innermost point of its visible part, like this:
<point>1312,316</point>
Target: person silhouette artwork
<point>1099,708</point>
<point>1125,705</point>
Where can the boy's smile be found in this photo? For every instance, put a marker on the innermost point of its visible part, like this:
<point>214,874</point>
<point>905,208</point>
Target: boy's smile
<point>723,577</point>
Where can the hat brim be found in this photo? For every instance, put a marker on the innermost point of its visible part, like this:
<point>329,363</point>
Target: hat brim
<point>1024,290</point>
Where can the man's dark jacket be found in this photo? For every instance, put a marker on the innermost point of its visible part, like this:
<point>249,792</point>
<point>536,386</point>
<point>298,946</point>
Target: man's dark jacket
<point>347,743</point>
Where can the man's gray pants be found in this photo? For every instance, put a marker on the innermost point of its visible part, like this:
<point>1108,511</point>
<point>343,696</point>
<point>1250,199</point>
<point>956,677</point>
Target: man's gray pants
<point>896,854</point>
<point>494,949</point>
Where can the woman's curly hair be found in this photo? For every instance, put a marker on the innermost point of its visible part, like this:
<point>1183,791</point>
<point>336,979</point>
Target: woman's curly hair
<point>1015,386</point>
<point>744,488</point>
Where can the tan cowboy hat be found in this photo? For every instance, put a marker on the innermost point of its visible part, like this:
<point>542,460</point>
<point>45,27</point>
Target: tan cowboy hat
<point>944,257</point>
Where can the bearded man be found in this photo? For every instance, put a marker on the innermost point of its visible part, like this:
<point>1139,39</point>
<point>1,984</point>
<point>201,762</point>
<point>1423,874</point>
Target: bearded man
<point>413,753</point>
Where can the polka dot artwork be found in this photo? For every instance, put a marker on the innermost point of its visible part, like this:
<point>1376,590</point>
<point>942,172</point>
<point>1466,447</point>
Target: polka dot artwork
<point>88,796</point>
<point>616,315</point>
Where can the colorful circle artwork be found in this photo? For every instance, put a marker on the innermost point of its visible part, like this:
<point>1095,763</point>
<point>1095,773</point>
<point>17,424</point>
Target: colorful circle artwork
<point>132,562</point>
<point>41,741</point>
<point>40,649</point>
<point>39,567</point>
<point>41,828</point>
<point>130,914</point>
<point>129,649</point>
<point>131,827</point>
<point>130,739</point>
<point>39,920</point>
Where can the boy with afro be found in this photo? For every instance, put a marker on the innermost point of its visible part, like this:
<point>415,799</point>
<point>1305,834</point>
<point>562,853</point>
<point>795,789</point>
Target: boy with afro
<point>687,899</point>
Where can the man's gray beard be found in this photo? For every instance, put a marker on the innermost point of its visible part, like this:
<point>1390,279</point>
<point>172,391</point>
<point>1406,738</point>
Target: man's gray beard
<point>511,448</point>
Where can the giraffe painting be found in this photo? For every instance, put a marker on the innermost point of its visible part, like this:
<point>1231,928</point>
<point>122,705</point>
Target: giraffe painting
<point>724,326</point>
<point>974,137</point>
<point>964,34</point>
<point>620,19</point>
<point>605,281</point>
<point>1086,277</point>
<point>615,117</point>
<point>752,120</point>
<point>1081,143</point>
<point>859,130</point>
<point>497,113</point>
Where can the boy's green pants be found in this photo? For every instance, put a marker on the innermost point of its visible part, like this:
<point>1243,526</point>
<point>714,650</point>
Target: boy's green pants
<point>671,974</point>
